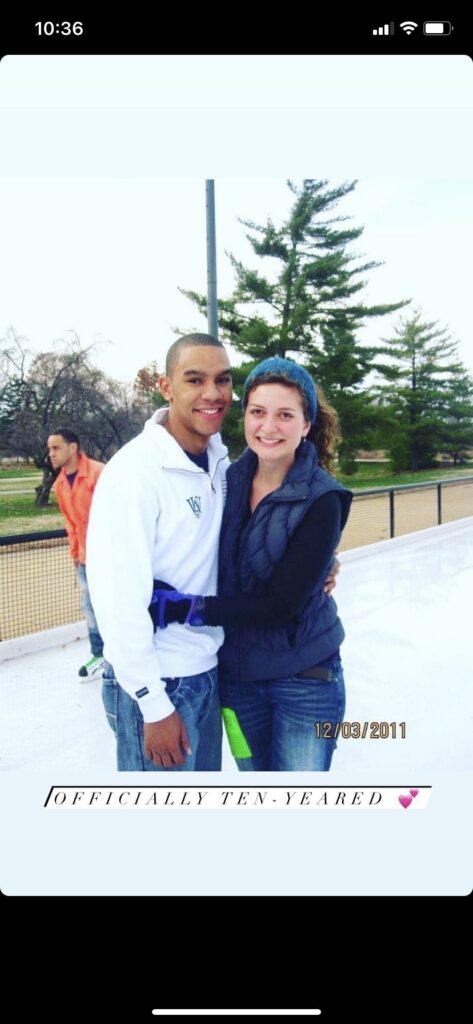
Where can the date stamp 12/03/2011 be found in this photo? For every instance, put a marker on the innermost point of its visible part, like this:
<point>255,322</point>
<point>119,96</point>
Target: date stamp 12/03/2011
<point>360,731</point>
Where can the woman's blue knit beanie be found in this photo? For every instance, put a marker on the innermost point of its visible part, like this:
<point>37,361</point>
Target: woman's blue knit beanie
<point>292,372</point>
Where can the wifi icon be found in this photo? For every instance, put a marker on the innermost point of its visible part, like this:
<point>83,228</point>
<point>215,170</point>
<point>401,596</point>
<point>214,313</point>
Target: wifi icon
<point>408,26</point>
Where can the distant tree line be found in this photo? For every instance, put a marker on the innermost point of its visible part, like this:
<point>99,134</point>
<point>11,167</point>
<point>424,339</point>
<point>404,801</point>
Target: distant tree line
<point>409,394</point>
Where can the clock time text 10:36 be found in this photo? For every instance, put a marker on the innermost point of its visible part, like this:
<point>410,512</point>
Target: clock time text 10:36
<point>59,28</point>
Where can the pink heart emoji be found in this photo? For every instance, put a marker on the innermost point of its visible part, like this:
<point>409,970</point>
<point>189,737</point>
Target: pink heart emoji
<point>413,792</point>
<point>405,800</point>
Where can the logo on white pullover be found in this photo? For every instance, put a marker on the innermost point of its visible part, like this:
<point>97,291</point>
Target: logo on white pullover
<point>196,506</point>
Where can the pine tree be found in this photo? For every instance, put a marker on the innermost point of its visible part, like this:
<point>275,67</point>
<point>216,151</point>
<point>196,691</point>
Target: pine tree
<point>310,308</point>
<point>456,410</point>
<point>421,369</point>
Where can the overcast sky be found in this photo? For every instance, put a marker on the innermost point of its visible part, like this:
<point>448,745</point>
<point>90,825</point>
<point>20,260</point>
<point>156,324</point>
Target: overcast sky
<point>102,198</point>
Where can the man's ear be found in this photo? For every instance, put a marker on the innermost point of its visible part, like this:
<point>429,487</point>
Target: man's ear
<point>164,385</point>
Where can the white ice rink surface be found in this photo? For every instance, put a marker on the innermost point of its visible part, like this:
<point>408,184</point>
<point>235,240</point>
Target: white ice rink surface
<point>406,607</point>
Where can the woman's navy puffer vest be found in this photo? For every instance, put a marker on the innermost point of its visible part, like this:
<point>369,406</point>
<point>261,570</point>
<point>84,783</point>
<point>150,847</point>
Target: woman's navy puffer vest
<point>247,557</point>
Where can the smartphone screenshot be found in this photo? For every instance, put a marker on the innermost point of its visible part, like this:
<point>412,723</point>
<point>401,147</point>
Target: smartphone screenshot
<point>254,552</point>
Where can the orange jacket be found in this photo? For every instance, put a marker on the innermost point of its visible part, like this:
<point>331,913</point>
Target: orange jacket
<point>75,502</point>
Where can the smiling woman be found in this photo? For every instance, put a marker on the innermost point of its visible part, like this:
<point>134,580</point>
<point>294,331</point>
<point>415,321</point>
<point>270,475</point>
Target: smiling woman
<point>279,666</point>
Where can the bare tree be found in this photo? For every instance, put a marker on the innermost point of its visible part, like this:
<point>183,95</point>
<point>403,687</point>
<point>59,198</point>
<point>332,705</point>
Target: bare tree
<point>65,388</point>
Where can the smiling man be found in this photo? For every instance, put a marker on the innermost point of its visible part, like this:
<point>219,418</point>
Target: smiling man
<point>156,514</point>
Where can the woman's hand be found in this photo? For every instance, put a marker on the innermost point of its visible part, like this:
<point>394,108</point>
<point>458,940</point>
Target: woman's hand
<point>173,606</point>
<point>331,582</point>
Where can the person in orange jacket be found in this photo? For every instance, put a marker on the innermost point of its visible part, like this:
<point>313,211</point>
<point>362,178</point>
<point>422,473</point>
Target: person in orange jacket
<point>74,488</point>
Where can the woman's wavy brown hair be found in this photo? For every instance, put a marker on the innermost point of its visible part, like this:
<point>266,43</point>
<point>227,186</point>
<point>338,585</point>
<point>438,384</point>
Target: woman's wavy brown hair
<point>325,432</point>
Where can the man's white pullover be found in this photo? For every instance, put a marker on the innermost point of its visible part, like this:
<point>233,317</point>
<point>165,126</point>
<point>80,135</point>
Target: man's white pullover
<point>155,515</point>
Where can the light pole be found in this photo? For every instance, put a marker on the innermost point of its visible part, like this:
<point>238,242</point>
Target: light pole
<point>212,313</point>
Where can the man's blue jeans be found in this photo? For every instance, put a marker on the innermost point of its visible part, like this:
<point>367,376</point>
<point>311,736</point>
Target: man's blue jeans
<point>196,700</point>
<point>272,726</point>
<point>96,642</point>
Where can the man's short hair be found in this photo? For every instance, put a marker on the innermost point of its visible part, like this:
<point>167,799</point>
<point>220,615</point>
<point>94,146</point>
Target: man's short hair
<point>187,341</point>
<point>69,435</point>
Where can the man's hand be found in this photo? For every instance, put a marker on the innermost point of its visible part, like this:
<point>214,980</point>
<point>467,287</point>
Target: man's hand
<point>331,582</point>
<point>166,741</point>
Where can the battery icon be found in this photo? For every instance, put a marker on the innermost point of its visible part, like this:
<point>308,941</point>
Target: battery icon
<point>437,28</point>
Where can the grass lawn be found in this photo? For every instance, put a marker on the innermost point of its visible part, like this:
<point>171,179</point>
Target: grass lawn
<point>11,473</point>
<point>17,484</point>
<point>19,514</point>
<point>379,474</point>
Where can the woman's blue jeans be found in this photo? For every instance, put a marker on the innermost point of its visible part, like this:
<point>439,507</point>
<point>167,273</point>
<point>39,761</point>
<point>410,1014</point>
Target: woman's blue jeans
<point>272,725</point>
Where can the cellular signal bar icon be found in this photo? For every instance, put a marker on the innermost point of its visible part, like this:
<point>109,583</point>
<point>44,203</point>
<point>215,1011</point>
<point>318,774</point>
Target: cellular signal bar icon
<point>384,30</point>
